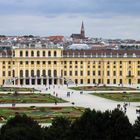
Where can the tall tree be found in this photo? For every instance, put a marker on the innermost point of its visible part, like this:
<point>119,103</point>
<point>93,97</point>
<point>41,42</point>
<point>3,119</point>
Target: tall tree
<point>121,127</point>
<point>95,125</point>
<point>21,127</point>
<point>136,128</point>
<point>58,130</point>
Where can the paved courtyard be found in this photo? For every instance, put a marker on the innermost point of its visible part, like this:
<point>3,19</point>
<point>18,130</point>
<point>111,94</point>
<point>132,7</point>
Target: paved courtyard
<point>82,100</point>
<point>93,102</point>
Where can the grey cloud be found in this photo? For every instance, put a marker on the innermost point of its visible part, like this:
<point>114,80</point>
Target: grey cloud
<point>103,18</point>
<point>47,7</point>
<point>63,25</point>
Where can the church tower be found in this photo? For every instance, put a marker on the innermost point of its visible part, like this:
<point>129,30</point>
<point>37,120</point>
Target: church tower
<point>82,30</point>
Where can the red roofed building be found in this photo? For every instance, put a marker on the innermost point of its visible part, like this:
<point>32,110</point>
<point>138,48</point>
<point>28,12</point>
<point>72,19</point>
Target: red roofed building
<point>56,38</point>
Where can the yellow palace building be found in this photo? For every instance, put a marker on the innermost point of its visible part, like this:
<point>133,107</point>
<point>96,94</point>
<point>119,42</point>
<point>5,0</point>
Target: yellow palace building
<point>43,64</point>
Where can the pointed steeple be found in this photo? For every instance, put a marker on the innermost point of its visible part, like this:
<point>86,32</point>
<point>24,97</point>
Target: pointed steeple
<point>82,30</point>
<point>82,27</point>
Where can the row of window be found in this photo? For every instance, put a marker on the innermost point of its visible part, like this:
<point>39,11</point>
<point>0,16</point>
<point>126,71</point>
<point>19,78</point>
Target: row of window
<point>108,81</point>
<point>97,73</point>
<point>38,53</point>
<point>38,73</point>
<point>38,62</point>
<point>4,73</point>
<point>49,73</point>
<point>55,63</point>
<point>73,62</point>
<point>77,81</point>
<point>95,66</point>
<point>32,73</point>
<point>98,62</point>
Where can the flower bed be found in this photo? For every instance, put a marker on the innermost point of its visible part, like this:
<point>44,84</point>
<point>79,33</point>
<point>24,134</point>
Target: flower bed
<point>41,114</point>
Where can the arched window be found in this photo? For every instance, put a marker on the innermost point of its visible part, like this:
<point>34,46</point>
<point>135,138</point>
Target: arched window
<point>44,73</point>
<point>26,53</point>
<point>21,73</point>
<point>49,73</point>
<point>21,53</point>
<point>44,53</point>
<point>49,53</point>
<point>55,73</point>
<point>55,54</point>
<point>32,73</point>
<point>27,73</point>
<point>32,53</point>
<point>38,73</point>
<point>38,53</point>
<point>129,73</point>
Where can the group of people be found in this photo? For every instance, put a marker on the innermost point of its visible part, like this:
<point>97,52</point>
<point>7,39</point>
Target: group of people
<point>53,86</point>
<point>68,94</point>
<point>123,108</point>
<point>138,111</point>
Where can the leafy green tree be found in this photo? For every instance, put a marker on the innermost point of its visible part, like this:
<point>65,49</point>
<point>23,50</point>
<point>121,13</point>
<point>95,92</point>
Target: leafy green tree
<point>95,125</point>
<point>21,127</point>
<point>83,128</point>
<point>136,128</point>
<point>121,127</point>
<point>58,130</point>
<point>92,125</point>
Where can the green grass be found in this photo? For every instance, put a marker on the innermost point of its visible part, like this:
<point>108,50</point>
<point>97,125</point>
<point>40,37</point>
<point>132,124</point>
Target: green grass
<point>17,89</point>
<point>41,114</point>
<point>102,88</point>
<point>29,98</point>
<point>124,97</point>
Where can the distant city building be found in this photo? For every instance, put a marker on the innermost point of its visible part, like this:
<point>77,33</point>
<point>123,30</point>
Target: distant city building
<point>56,38</point>
<point>78,47</point>
<point>81,35</point>
<point>79,41</point>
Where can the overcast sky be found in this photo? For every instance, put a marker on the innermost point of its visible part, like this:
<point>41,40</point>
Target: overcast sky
<point>102,18</point>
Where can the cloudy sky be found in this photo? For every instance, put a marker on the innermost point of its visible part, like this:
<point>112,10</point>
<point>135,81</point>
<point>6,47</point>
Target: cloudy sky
<point>102,18</point>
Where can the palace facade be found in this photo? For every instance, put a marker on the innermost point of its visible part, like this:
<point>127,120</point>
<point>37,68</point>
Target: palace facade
<point>46,64</point>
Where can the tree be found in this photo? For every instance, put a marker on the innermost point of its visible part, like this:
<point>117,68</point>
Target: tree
<point>21,127</point>
<point>136,128</point>
<point>2,36</point>
<point>92,125</point>
<point>95,125</point>
<point>83,128</point>
<point>58,130</point>
<point>121,127</point>
<point>31,36</point>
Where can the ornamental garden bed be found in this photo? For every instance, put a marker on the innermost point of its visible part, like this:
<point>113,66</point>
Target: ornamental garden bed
<point>103,88</point>
<point>41,114</point>
<point>124,97</point>
<point>17,89</point>
<point>29,98</point>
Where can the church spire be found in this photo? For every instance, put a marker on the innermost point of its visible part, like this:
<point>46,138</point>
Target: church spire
<point>82,30</point>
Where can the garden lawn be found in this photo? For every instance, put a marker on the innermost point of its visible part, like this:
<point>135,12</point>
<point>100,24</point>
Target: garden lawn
<point>125,97</point>
<point>41,114</point>
<point>102,88</point>
<point>17,89</point>
<point>29,98</point>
